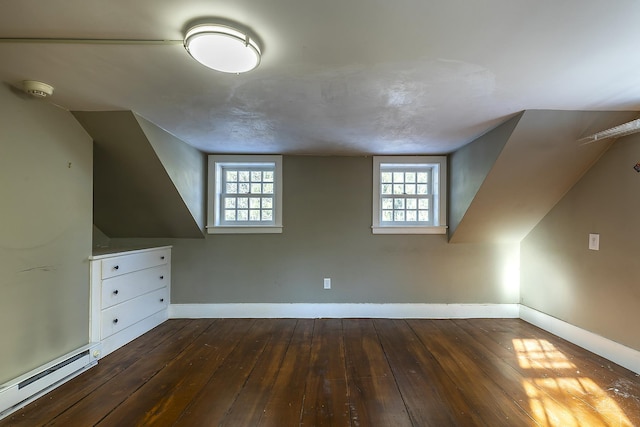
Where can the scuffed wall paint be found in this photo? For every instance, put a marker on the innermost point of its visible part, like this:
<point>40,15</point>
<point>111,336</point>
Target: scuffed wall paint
<point>45,233</point>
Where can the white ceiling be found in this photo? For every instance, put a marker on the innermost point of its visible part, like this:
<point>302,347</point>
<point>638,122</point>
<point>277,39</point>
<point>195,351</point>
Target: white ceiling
<point>337,76</point>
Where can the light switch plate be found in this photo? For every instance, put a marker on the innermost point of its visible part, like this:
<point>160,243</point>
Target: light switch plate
<point>594,242</point>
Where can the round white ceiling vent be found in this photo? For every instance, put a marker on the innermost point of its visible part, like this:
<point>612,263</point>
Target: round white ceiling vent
<point>37,89</point>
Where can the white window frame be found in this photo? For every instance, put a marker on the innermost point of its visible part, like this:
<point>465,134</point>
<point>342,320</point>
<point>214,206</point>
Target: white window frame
<point>438,167</point>
<point>217,162</point>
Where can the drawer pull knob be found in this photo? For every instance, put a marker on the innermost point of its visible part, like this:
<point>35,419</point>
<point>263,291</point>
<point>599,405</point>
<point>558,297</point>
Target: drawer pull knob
<point>161,299</point>
<point>115,320</point>
<point>161,277</point>
<point>162,257</point>
<point>115,292</point>
<point>115,267</point>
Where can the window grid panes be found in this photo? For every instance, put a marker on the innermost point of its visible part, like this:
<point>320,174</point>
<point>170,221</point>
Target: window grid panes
<point>406,195</point>
<point>247,195</point>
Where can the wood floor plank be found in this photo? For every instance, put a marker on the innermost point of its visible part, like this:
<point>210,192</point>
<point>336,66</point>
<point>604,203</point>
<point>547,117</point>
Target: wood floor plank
<point>44,410</point>
<point>250,404</point>
<point>351,372</point>
<point>374,395</point>
<point>93,408</point>
<point>287,395</point>
<point>430,396</point>
<point>326,396</point>
<point>606,373</point>
<point>508,379</point>
<point>563,377</point>
<point>516,382</point>
<point>472,382</point>
<point>161,401</point>
<point>215,399</point>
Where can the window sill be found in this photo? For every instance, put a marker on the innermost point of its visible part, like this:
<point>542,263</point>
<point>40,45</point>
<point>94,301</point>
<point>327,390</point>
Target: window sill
<point>244,230</point>
<point>442,229</point>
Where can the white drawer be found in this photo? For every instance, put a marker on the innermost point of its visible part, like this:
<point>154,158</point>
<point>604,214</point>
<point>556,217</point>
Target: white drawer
<point>121,316</point>
<point>124,264</point>
<point>125,287</point>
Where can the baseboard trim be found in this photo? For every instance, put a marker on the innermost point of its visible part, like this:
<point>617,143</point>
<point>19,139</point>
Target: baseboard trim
<point>315,311</point>
<point>611,350</point>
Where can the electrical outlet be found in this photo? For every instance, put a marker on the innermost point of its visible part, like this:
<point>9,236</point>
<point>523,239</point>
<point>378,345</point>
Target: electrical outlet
<point>327,283</point>
<point>594,242</point>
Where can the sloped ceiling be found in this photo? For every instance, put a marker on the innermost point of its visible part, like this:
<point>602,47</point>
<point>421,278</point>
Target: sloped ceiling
<point>146,182</point>
<point>342,78</point>
<point>505,182</point>
<point>338,77</point>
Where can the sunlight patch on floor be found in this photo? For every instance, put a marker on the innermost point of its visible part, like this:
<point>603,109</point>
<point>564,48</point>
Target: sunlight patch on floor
<point>540,354</point>
<point>559,395</point>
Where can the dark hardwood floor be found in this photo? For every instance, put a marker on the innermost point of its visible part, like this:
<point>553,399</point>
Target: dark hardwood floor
<point>352,372</point>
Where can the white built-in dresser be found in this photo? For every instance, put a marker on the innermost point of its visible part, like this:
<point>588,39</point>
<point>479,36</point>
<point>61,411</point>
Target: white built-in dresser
<point>130,293</point>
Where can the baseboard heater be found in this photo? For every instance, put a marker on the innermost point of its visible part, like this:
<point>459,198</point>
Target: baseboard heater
<point>22,390</point>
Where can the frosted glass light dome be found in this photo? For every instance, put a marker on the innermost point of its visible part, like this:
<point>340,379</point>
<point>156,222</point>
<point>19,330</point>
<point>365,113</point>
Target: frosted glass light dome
<point>222,48</point>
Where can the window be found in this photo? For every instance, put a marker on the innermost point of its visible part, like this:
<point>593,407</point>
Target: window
<point>409,195</point>
<point>245,194</point>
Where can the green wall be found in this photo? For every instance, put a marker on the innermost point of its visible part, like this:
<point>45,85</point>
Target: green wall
<point>327,233</point>
<point>470,165</point>
<point>45,232</point>
<point>595,290</point>
<point>185,165</point>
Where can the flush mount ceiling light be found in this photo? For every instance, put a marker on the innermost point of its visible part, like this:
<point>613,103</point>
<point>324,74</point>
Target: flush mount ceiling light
<point>222,48</point>
<point>217,46</point>
<point>615,132</point>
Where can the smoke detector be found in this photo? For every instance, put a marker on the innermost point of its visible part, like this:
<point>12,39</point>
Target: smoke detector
<point>37,89</point>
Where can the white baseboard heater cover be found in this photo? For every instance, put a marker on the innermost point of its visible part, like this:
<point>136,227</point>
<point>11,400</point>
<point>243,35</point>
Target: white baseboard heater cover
<point>22,390</point>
